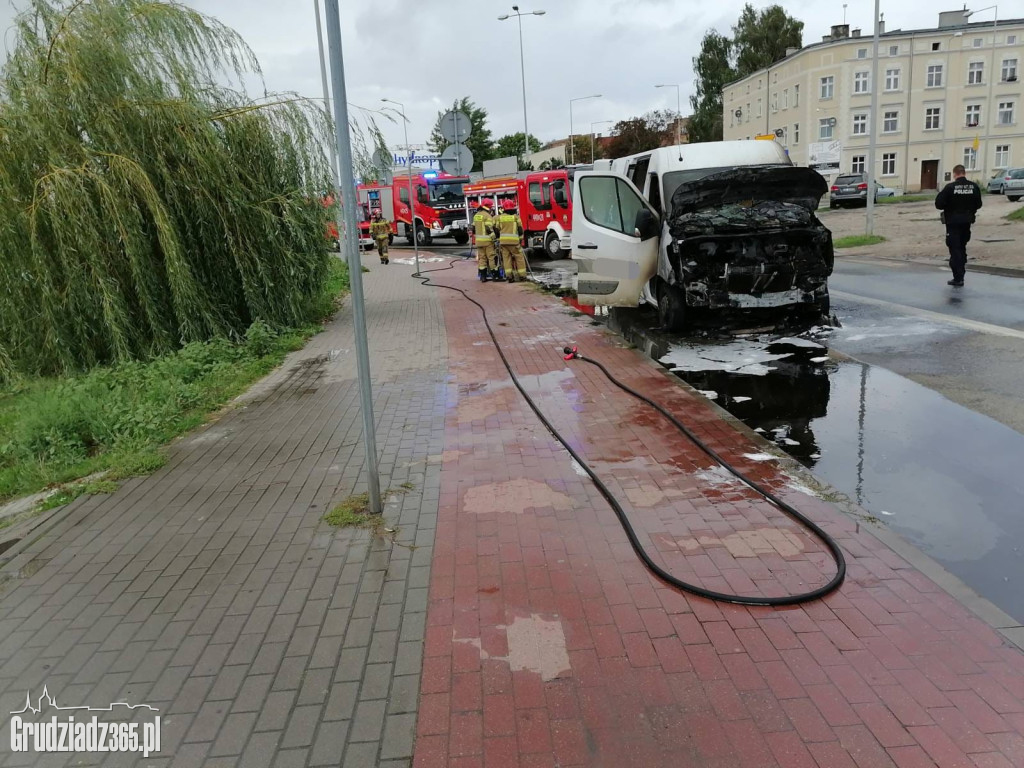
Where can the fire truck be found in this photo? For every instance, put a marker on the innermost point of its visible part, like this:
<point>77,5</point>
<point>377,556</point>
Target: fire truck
<point>544,203</point>
<point>439,206</point>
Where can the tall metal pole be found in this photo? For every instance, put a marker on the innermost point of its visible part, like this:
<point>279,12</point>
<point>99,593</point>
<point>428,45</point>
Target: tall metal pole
<point>572,154</point>
<point>408,168</point>
<point>333,148</point>
<point>869,224</point>
<point>993,108</point>
<point>679,118</point>
<point>347,220</point>
<point>522,71</point>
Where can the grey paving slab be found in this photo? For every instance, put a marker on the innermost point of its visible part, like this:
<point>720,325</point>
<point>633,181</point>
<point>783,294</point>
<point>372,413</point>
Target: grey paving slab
<point>214,588</point>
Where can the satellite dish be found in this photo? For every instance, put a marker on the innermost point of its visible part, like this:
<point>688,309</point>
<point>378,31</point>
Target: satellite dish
<point>832,122</point>
<point>779,132</point>
<point>738,113</point>
<point>457,159</point>
<point>455,127</point>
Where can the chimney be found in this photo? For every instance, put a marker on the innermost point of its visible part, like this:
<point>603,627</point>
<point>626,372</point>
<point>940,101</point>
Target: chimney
<point>855,33</point>
<point>881,26</point>
<point>791,51</point>
<point>840,31</point>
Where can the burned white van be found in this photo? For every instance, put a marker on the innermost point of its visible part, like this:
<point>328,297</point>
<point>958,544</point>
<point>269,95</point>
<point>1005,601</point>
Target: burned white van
<point>738,232</point>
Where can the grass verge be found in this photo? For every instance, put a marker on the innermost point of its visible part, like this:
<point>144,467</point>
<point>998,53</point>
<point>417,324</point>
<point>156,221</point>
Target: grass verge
<point>111,422</point>
<point>905,199</point>
<point>1017,215</point>
<point>354,512</point>
<point>856,241</point>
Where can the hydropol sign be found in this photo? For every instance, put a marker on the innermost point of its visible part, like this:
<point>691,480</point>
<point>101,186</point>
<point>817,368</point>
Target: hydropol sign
<point>420,159</point>
<point>62,732</point>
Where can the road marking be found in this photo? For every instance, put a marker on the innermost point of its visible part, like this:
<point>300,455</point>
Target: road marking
<point>970,325</point>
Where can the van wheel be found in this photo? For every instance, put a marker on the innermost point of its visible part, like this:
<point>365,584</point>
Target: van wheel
<point>407,231</point>
<point>461,238</point>
<point>423,236</point>
<point>671,307</point>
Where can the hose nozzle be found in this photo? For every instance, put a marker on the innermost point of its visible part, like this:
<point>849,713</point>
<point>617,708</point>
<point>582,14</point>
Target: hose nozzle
<point>571,353</point>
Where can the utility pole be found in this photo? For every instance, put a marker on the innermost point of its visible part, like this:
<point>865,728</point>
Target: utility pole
<point>679,111</point>
<point>522,69</point>
<point>347,224</point>
<point>869,224</point>
<point>332,146</point>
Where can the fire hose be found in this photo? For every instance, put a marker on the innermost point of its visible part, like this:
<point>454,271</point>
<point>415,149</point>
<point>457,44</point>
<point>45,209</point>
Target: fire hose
<point>572,353</point>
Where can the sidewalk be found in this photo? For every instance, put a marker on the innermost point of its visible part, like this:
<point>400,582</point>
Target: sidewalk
<point>510,623</point>
<point>548,643</point>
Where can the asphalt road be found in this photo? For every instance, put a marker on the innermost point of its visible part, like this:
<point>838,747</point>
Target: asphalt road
<point>964,343</point>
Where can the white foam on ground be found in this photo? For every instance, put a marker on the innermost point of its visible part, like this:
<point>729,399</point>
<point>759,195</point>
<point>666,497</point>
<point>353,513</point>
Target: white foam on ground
<point>710,394</point>
<point>578,468</point>
<point>819,359</point>
<point>760,456</point>
<point>740,356</point>
<point>740,399</point>
<point>798,342</point>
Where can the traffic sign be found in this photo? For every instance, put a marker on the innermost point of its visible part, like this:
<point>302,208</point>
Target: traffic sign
<point>455,126</point>
<point>457,159</point>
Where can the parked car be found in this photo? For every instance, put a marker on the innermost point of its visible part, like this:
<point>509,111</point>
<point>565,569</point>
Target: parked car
<point>719,225</point>
<point>1013,184</point>
<point>852,190</point>
<point>995,184</point>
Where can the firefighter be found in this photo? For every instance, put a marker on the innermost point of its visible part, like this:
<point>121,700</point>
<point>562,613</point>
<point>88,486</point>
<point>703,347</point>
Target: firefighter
<point>380,231</point>
<point>483,228</point>
<point>510,230</point>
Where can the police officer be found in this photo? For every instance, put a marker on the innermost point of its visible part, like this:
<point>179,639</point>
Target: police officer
<point>380,231</point>
<point>483,229</point>
<point>959,202</point>
<point>510,229</point>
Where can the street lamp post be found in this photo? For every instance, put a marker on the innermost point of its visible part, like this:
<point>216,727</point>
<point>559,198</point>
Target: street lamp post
<point>993,110</point>
<point>327,97</point>
<point>679,111</point>
<point>593,153</point>
<point>408,168</point>
<point>572,153</point>
<point>522,68</point>
<point>869,224</point>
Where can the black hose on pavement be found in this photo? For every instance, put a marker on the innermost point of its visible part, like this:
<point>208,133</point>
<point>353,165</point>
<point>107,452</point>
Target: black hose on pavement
<point>572,354</point>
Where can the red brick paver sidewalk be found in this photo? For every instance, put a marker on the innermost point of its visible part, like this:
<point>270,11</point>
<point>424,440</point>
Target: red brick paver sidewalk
<point>548,644</point>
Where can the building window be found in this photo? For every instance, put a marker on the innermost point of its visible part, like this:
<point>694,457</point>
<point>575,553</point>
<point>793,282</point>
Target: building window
<point>796,95</point>
<point>1011,39</point>
<point>936,46</point>
<point>828,85</point>
<point>747,113</point>
<point>825,129</point>
<point>1009,70</point>
<point>758,107</point>
<point>860,124</point>
<point>973,115</point>
<point>796,133</point>
<point>1006,113</point>
<point>775,102</point>
<point>975,73</point>
<point>857,166</point>
<point>978,42</point>
<point>860,82</point>
<point>862,53</point>
<point>934,76</point>
<point>1002,155</point>
<point>894,50</point>
<point>892,79</point>
<point>785,98</point>
<point>889,164</point>
<point>932,118</point>
<point>891,122</point>
<point>970,158</point>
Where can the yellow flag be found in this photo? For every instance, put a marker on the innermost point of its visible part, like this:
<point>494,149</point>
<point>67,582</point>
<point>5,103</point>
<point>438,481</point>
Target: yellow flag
<point>975,143</point>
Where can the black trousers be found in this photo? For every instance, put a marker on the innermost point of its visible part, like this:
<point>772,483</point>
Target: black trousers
<point>957,237</point>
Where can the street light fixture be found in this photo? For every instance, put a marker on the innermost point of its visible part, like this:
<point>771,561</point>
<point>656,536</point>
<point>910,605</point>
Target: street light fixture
<point>993,112</point>
<point>572,153</point>
<point>593,154</point>
<point>412,196</point>
<point>522,68</point>
<point>679,111</point>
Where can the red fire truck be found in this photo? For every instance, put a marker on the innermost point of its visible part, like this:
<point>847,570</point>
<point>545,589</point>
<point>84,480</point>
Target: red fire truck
<point>438,203</point>
<point>544,203</point>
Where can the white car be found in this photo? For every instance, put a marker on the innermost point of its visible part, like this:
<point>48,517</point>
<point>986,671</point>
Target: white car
<point>1013,184</point>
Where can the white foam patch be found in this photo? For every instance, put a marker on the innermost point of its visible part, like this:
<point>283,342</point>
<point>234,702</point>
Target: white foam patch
<point>819,359</point>
<point>578,468</point>
<point>719,477</point>
<point>760,456</point>
<point>423,260</point>
<point>795,341</point>
<point>740,399</point>
<point>710,394</point>
<point>740,356</point>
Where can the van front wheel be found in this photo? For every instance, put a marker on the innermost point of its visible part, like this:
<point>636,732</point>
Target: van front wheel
<point>671,307</point>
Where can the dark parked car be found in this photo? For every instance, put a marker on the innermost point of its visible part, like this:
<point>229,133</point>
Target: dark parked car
<point>852,190</point>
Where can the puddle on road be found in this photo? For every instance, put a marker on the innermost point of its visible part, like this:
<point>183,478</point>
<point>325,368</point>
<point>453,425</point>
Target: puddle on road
<point>946,478</point>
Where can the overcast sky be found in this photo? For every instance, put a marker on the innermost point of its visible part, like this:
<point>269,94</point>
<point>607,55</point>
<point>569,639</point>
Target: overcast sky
<point>426,53</point>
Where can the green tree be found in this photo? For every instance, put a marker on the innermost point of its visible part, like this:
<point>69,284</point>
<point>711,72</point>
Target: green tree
<point>512,145</point>
<point>479,141</point>
<point>639,134</point>
<point>760,38</point>
<point>713,70</point>
<point>143,205</point>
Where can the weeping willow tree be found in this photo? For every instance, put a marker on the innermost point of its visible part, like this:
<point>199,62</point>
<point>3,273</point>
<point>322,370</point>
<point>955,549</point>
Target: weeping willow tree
<point>144,203</point>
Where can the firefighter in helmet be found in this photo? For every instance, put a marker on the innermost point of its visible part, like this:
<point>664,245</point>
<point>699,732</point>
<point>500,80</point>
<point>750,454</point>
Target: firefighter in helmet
<point>380,231</point>
<point>510,230</point>
<point>483,228</point>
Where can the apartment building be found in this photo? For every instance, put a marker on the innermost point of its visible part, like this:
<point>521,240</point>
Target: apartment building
<point>948,95</point>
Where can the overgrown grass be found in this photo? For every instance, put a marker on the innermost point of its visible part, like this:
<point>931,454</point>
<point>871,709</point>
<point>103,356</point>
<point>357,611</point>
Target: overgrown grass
<point>354,512</point>
<point>1017,215</point>
<point>905,199</point>
<point>113,420</point>
<point>856,241</point>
